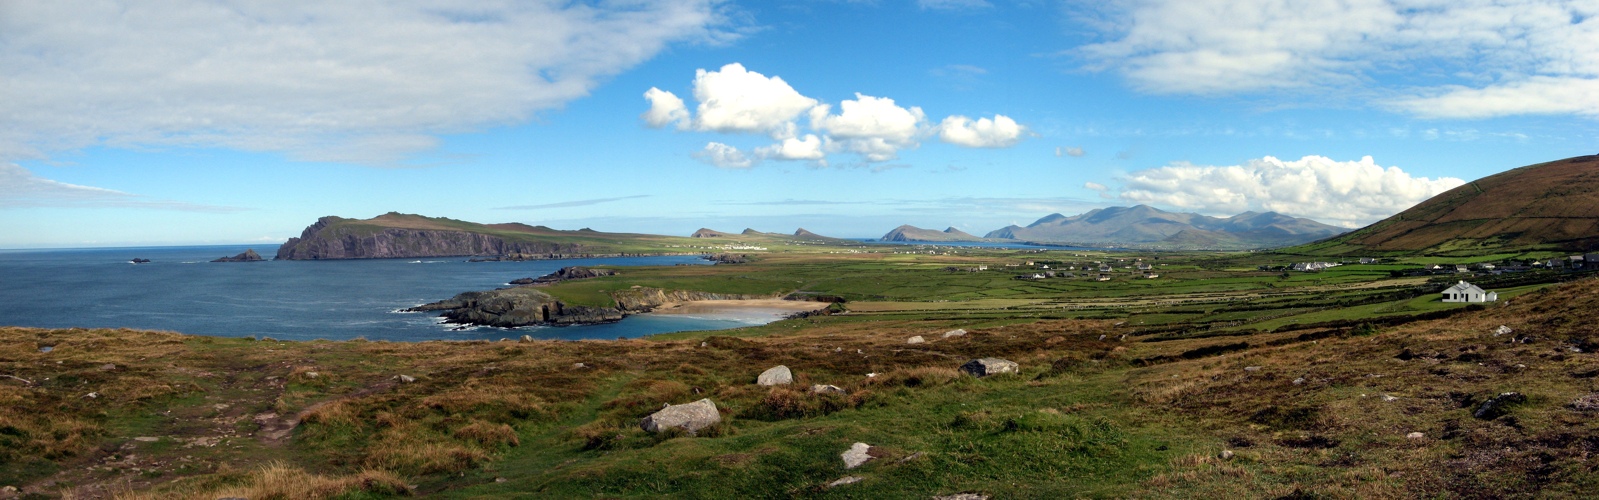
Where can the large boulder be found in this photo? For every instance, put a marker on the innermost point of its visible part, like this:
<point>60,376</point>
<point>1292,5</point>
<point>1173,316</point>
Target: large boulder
<point>691,417</point>
<point>955,333</point>
<point>777,375</point>
<point>990,366</point>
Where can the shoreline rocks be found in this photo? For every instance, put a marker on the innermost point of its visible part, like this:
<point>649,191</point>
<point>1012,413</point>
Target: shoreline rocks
<point>248,256</point>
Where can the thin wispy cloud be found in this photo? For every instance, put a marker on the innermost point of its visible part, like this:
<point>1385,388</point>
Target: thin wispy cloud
<point>1462,59</point>
<point>573,203</point>
<point>20,188</point>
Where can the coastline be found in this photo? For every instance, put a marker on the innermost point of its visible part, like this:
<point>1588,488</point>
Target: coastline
<point>741,305</point>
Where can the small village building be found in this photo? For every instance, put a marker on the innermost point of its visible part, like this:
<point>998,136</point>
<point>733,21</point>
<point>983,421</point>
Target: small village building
<point>1150,275</point>
<point>1104,277</point>
<point>1368,260</point>
<point>1467,292</point>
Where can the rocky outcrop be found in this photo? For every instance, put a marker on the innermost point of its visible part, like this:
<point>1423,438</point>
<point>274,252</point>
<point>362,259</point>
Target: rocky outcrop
<point>339,238</point>
<point>247,256</point>
<point>527,306</point>
<point>568,273</point>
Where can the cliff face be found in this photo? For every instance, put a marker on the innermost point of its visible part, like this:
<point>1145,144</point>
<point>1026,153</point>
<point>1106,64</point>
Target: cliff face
<point>329,238</point>
<point>525,306</point>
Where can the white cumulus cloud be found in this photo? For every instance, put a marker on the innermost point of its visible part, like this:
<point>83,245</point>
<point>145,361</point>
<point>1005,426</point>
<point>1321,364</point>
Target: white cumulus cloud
<point>1454,59</point>
<point>1348,193</point>
<point>735,99</point>
<point>724,156</point>
<point>808,148</point>
<point>999,132</point>
<point>364,82</point>
<point>873,127</point>
<point>665,108</point>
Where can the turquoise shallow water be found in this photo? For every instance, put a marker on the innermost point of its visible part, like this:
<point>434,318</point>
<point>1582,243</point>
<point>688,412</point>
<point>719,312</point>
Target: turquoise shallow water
<point>182,291</point>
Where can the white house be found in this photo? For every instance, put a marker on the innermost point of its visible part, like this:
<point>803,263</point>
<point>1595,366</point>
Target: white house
<point>1467,292</point>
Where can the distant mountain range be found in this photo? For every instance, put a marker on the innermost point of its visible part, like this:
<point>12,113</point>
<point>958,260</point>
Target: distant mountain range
<point>913,233</point>
<point>1547,206</point>
<point>1146,227</point>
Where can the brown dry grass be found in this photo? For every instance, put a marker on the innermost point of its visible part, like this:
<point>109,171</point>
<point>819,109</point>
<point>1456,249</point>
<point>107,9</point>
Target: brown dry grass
<point>281,481</point>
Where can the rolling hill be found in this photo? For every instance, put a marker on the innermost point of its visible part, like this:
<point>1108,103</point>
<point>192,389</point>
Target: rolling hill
<point>1547,206</point>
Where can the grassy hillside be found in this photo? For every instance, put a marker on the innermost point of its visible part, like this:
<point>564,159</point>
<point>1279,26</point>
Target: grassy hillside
<point>1320,412</point>
<point>1548,206</point>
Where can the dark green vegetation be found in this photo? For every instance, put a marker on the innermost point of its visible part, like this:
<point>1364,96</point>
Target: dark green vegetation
<point>1548,206</point>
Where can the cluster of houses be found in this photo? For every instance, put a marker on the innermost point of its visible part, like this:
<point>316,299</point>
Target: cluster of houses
<point>1099,270</point>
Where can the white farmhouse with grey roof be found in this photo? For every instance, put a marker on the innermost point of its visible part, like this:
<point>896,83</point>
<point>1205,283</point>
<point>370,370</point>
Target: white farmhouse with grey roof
<point>1467,292</point>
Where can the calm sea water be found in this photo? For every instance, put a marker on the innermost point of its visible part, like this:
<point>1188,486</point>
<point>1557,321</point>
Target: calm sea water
<point>182,291</point>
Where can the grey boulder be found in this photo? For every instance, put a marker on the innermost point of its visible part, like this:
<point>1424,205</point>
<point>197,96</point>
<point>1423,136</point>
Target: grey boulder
<point>989,366</point>
<point>777,375</point>
<point>691,417</point>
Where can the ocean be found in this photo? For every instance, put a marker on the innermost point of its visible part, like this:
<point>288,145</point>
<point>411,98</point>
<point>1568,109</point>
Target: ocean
<point>182,291</point>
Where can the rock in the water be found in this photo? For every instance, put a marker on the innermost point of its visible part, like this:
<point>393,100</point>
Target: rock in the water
<point>856,455</point>
<point>690,417</point>
<point>989,366</point>
<point>845,480</point>
<point>1415,435</point>
<point>1499,405</point>
<point>137,260</point>
<point>827,389</point>
<point>247,256</point>
<point>915,340</point>
<point>777,375</point>
<point>954,333</point>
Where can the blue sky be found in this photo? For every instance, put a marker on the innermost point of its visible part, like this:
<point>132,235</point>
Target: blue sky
<point>190,122</point>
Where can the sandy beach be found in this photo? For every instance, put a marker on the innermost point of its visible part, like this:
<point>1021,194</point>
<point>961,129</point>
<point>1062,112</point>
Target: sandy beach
<point>740,307</point>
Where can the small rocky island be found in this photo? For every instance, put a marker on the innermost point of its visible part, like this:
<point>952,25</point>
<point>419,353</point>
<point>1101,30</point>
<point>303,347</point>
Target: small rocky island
<point>137,260</point>
<point>248,256</point>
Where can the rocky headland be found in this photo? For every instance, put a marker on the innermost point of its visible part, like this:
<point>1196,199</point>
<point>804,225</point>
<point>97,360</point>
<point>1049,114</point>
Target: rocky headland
<point>528,305</point>
<point>565,274</point>
<point>340,238</point>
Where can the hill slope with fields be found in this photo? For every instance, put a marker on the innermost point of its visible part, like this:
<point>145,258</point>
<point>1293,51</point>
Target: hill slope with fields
<point>1547,206</point>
